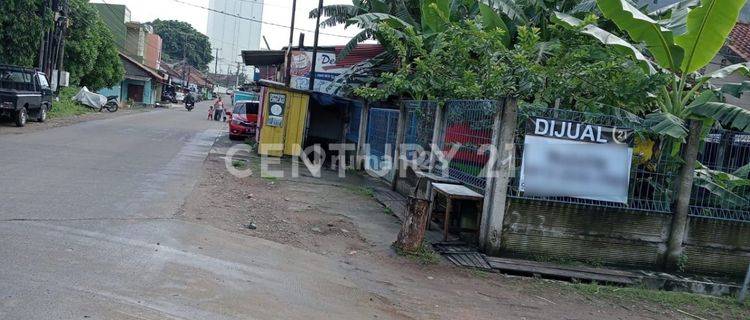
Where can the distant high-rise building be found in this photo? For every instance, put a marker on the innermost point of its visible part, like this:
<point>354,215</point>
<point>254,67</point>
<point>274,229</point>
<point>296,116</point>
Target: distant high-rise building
<point>231,34</point>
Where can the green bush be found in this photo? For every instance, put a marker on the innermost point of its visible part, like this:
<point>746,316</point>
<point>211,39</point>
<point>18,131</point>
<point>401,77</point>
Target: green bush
<point>66,107</point>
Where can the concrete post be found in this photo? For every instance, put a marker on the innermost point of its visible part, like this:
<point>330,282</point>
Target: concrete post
<point>438,131</point>
<point>400,135</point>
<point>745,285</point>
<point>489,185</point>
<point>504,168</point>
<point>362,138</point>
<point>682,204</point>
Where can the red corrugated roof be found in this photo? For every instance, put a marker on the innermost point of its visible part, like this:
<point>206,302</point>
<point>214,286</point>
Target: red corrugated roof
<point>362,52</point>
<point>739,40</point>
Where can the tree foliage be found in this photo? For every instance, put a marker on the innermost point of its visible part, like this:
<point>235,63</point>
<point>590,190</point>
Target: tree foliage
<point>21,31</point>
<point>90,53</point>
<point>180,37</point>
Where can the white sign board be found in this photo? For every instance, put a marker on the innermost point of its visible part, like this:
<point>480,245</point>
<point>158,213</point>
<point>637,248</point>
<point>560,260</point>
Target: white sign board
<point>326,71</point>
<point>573,159</point>
<point>276,106</point>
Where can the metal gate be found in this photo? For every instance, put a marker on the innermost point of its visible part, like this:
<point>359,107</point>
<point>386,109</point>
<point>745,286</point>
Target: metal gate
<point>381,139</point>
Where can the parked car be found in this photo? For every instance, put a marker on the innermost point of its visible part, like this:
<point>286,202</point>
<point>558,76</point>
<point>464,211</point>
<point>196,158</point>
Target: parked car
<point>24,93</point>
<point>244,120</point>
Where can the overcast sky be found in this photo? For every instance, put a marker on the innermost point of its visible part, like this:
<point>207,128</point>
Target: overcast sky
<point>274,11</point>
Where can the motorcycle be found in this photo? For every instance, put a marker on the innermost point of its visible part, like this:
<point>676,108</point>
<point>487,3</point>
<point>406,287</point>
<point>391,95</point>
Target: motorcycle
<point>189,105</point>
<point>112,104</point>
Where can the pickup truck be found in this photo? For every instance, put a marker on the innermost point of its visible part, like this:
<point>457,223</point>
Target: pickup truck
<point>24,93</point>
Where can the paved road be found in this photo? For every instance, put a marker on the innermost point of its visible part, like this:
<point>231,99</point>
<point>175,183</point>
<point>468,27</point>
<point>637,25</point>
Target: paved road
<point>87,231</point>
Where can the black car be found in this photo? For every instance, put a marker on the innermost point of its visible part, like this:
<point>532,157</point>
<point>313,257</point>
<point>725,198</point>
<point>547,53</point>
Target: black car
<point>24,93</point>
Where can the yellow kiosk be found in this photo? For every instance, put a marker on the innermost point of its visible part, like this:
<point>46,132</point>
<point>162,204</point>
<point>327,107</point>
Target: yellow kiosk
<point>283,119</point>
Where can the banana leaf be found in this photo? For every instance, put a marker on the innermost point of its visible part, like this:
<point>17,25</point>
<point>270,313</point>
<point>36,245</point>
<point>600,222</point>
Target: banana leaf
<point>721,184</point>
<point>708,25</point>
<point>666,124</point>
<point>608,39</point>
<point>491,20</point>
<point>642,28</point>
<point>730,116</point>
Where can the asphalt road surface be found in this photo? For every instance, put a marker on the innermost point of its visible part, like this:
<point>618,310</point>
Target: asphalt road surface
<point>88,231</point>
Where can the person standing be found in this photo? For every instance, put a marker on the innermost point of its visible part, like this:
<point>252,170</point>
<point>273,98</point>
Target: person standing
<point>218,109</point>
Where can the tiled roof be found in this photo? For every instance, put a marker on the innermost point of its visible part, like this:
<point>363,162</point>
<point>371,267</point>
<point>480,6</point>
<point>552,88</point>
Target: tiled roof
<point>739,40</point>
<point>362,52</point>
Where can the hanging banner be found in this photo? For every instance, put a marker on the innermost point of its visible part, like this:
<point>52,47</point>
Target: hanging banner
<point>276,106</point>
<point>572,159</point>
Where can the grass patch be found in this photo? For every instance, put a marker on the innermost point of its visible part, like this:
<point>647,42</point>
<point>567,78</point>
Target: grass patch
<point>479,273</point>
<point>424,255</point>
<point>239,164</point>
<point>67,107</point>
<point>387,211</point>
<point>363,191</point>
<point>704,306</point>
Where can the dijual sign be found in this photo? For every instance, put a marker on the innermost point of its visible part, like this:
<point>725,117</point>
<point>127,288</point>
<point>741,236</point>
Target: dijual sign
<point>573,159</point>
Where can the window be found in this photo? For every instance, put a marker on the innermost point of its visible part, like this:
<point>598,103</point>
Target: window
<point>43,81</point>
<point>239,108</point>
<point>252,107</point>
<point>246,108</point>
<point>15,76</point>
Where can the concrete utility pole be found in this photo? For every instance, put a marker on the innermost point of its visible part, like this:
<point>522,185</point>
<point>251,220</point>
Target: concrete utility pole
<point>61,48</point>
<point>315,46</point>
<point>237,77</point>
<point>288,74</point>
<point>745,285</point>
<point>216,61</point>
<point>185,76</point>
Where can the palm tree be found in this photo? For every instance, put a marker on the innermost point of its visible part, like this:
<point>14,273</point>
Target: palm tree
<point>683,40</point>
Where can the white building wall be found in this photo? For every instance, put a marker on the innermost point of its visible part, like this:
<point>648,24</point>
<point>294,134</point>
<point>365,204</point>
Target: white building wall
<point>232,35</point>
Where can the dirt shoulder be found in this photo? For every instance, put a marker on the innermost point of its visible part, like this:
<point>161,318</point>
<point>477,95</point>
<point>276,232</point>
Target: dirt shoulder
<point>8,127</point>
<point>339,219</point>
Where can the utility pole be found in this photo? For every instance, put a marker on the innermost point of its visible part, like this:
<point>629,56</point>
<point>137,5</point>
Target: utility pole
<point>42,11</point>
<point>61,47</point>
<point>185,77</point>
<point>266,41</point>
<point>216,61</point>
<point>237,78</point>
<point>315,47</point>
<point>288,75</point>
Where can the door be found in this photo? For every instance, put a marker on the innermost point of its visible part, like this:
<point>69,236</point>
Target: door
<point>44,89</point>
<point>135,93</point>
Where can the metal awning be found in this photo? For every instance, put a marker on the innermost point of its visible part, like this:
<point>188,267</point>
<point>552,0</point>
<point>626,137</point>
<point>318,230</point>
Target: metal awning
<point>260,58</point>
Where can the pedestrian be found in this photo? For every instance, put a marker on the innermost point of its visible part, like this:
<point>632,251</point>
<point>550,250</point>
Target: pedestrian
<point>218,109</point>
<point>210,112</point>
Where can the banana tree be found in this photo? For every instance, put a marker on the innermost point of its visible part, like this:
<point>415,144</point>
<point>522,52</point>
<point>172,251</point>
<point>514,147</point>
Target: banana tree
<point>680,41</point>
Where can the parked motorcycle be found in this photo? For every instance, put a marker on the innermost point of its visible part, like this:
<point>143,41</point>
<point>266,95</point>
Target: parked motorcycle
<point>112,104</point>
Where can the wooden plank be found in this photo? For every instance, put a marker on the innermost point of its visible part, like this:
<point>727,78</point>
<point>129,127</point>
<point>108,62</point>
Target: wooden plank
<point>601,275</point>
<point>521,262</point>
<point>455,191</point>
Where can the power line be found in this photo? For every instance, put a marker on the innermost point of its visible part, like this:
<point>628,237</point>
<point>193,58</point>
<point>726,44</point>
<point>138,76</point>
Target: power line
<point>254,20</point>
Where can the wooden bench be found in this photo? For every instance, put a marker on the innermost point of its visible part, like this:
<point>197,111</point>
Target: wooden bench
<point>456,192</point>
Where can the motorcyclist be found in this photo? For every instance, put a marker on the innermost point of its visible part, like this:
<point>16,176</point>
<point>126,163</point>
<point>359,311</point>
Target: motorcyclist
<point>189,100</point>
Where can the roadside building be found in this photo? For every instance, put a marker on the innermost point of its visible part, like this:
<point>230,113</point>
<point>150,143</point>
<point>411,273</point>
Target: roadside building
<point>142,85</point>
<point>115,16</point>
<point>735,50</point>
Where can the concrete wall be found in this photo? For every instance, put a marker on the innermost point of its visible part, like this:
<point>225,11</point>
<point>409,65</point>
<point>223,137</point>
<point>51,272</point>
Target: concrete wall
<point>537,229</point>
<point>152,51</point>
<point>114,16</point>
